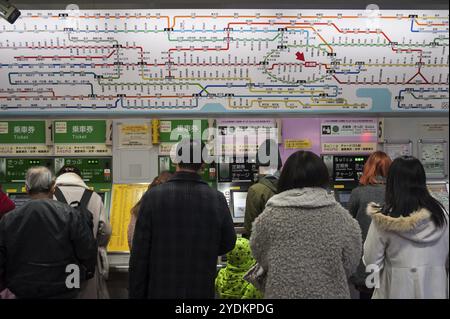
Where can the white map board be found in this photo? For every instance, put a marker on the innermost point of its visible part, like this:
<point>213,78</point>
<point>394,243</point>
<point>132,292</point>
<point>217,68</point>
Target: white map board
<point>224,61</point>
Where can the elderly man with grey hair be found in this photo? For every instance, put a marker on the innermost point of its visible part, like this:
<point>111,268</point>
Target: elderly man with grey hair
<point>46,247</point>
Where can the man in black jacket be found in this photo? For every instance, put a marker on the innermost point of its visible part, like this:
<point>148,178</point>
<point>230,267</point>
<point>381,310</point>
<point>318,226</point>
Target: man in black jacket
<point>183,226</point>
<point>46,247</point>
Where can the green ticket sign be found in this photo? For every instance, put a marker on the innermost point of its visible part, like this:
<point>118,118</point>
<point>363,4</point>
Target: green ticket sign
<point>23,138</point>
<point>172,131</point>
<point>79,132</point>
<point>81,137</point>
<point>22,132</point>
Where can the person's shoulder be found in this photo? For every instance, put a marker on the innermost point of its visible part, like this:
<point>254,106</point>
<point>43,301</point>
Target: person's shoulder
<point>342,215</point>
<point>359,190</point>
<point>96,196</point>
<point>258,187</point>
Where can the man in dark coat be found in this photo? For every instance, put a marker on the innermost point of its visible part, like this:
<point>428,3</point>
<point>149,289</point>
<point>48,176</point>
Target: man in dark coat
<point>183,226</point>
<point>47,248</point>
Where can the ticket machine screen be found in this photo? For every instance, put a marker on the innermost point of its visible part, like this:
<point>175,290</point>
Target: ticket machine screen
<point>348,168</point>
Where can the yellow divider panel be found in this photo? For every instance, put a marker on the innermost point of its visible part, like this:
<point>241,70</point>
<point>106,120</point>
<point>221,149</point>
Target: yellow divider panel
<point>124,197</point>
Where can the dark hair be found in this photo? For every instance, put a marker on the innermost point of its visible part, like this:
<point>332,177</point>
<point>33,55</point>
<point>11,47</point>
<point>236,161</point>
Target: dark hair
<point>407,192</point>
<point>195,149</point>
<point>69,169</point>
<point>303,169</point>
<point>163,177</point>
<point>377,165</point>
<point>264,151</point>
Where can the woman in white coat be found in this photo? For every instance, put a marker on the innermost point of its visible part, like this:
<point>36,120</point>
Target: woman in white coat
<point>408,239</point>
<point>72,186</point>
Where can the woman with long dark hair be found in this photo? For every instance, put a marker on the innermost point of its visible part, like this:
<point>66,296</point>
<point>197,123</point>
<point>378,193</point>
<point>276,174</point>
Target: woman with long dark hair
<point>371,189</point>
<point>408,238</point>
<point>306,242</point>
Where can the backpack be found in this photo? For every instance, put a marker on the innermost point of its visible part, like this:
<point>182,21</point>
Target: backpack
<point>85,213</point>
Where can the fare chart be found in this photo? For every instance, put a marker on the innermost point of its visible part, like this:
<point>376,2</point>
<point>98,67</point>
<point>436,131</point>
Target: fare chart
<point>224,61</point>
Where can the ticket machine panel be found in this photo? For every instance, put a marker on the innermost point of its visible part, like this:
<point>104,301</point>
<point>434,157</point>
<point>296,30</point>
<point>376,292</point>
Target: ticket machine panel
<point>345,172</point>
<point>96,173</point>
<point>12,176</point>
<point>433,155</point>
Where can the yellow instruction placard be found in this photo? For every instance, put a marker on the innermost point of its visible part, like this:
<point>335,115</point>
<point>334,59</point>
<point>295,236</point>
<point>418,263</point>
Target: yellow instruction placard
<point>348,148</point>
<point>300,144</point>
<point>124,197</point>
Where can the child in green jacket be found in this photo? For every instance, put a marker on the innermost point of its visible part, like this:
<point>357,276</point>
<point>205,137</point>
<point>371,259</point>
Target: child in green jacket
<point>230,283</point>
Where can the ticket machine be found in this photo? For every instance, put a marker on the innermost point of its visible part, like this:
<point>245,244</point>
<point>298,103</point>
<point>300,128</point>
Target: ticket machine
<point>345,172</point>
<point>234,179</point>
<point>12,175</point>
<point>96,173</point>
<point>433,153</point>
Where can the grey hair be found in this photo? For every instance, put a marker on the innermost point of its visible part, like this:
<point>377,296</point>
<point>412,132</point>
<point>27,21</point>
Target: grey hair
<point>39,180</point>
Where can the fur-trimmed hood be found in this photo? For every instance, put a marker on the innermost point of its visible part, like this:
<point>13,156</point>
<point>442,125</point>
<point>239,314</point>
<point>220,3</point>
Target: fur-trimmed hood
<point>417,227</point>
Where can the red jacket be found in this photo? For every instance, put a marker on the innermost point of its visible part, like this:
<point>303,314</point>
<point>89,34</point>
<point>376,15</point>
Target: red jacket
<point>6,204</point>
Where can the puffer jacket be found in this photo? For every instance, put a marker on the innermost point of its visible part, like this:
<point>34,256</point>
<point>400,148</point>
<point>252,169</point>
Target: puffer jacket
<point>230,283</point>
<point>411,254</point>
<point>38,241</point>
<point>308,244</point>
<point>257,197</point>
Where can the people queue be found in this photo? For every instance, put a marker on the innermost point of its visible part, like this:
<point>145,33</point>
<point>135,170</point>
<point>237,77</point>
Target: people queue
<point>299,242</point>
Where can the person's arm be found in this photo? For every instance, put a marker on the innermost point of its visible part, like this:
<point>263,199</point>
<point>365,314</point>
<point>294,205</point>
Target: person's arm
<point>374,247</point>
<point>351,246</point>
<point>105,231</point>
<point>228,234</point>
<point>84,243</point>
<point>253,208</point>
<point>140,254</point>
<point>260,241</point>
<point>130,231</point>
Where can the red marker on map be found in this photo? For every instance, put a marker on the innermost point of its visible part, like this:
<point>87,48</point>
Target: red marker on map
<point>300,56</point>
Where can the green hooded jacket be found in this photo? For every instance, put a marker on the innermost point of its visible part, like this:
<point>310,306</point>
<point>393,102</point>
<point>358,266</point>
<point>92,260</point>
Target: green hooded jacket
<point>257,197</point>
<point>230,283</point>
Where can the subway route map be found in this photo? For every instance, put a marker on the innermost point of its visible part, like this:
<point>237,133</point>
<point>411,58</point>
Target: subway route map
<point>224,61</point>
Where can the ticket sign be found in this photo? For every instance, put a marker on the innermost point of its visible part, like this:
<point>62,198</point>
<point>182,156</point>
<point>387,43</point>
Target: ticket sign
<point>23,138</point>
<point>22,132</point>
<point>180,128</point>
<point>125,196</point>
<point>83,137</point>
<point>79,132</point>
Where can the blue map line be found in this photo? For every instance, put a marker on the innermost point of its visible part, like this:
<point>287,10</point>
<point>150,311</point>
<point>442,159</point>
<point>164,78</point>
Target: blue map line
<point>400,93</point>
<point>51,83</point>
<point>425,31</point>
<point>273,86</point>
